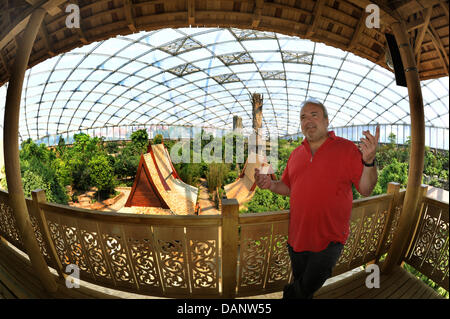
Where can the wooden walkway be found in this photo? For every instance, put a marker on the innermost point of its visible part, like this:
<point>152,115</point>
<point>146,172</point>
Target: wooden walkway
<point>399,284</point>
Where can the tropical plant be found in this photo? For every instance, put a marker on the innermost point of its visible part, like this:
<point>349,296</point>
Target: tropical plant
<point>101,175</point>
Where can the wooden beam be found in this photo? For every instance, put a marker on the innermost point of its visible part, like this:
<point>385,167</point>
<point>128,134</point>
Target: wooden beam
<point>257,13</point>
<point>409,7</point>
<point>19,23</point>
<point>44,35</point>
<point>5,62</point>
<point>128,8</point>
<point>439,47</point>
<point>415,24</point>
<point>421,35</point>
<point>286,7</point>
<point>191,12</point>
<point>444,6</point>
<point>317,12</point>
<point>358,31</point>
<point>50,6</point>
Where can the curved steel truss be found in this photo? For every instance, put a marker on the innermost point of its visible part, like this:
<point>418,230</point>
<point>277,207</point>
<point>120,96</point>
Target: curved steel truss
<point>202,77</point>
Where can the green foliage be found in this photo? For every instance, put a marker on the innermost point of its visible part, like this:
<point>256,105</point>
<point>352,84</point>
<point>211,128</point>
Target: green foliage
<point>61,147</point>
<point>264,201</point>
<point>189,173</point>
<point>356,194</point>
<point>112,147</point>
<point>77,158</point>
<point>139,139</point>
<point>230,177</point>
<point>216,175</point>
<point>158,139</point>
<point>394,172</point>
<point>125,163</point>
<point>36,175</point>
<point>87,164</point>
<point>101,175</point>
<point>38,169</point>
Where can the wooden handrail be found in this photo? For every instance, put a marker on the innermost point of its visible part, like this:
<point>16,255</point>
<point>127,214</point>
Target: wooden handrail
<point>129,218</point>
<point>265,217</point>
<point>372,199</point>
<point>435,202</point>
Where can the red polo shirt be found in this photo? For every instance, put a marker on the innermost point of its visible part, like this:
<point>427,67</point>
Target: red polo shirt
<point>321,192</point>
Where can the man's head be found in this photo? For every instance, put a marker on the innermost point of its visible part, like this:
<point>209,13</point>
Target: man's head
<point>314,120</point>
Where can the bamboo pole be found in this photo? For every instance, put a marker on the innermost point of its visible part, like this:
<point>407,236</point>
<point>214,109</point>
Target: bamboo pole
<point>409,212</point>
<point>11,150</point>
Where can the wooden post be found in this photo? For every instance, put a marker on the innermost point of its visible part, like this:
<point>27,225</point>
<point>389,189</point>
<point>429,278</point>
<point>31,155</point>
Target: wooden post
<point>237,123</point>
<point>11,150</point>
<point>38,197</point>
<point>409,212</point>
<point>257,104</point>
<point>230,241</point>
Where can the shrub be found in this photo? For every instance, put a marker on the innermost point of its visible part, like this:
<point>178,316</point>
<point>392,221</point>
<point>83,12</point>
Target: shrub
<point>37,175</point>
<point>139,140</point>
<point>216,175</point>
<point>101,175</point>
<point>264,201</point>
<point>394,172</point>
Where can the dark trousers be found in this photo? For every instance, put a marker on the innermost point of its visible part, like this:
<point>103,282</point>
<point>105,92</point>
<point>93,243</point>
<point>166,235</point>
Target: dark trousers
<point>311,270</point>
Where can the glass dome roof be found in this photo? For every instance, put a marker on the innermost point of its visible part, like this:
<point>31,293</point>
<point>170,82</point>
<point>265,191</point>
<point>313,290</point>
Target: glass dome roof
<point>202,77</point>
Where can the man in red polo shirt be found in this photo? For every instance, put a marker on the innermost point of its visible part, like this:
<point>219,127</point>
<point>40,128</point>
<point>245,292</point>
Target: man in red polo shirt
<point>318,178</point>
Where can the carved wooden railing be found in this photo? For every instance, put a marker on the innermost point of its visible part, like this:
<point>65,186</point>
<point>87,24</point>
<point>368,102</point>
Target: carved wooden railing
<point>429,249</point>
<point>228,255</point>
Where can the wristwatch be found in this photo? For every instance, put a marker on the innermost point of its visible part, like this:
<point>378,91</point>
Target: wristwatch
<point>369,165</point>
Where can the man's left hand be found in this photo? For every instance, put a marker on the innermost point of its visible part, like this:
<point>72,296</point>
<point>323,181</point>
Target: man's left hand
<point>368,146</point>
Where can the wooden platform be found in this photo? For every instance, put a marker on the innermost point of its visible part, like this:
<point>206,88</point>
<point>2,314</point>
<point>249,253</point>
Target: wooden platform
<point>399,284</point>
<point>17,281</point>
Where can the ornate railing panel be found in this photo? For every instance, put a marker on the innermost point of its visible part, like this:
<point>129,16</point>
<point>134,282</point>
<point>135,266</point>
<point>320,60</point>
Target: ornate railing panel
<point>156,255</point>
<point>368,224</point>
<point>8,225</point>
<point>429,250</point>
<point>263,263</point>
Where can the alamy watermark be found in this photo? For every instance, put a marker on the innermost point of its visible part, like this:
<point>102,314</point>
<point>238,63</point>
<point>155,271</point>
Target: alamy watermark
<point>73,279</point>
<point>373,279</point>
<point>73,19</point>
<point>373,18</point>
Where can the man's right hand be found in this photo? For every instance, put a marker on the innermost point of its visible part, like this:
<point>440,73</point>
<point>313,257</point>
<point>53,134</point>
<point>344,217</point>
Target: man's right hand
<point>263,181</point>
